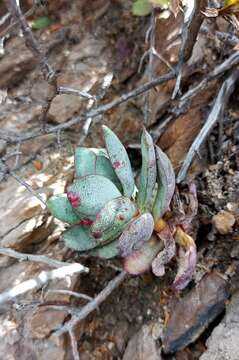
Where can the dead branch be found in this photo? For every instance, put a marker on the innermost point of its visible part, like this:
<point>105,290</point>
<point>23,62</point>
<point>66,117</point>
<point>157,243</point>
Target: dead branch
<point>219,70</point>
<point>13,137</point>
<point>34,258</point>
<point>71,293</point>
<point>70,91</point>
<point>192,22</point>
<point>27,186</point>
<point>230,39</point>
<point>41,279</point>
<point>74,345</point>
<point>215,113</point>
<point>31,43</point>
<point>92,305</point>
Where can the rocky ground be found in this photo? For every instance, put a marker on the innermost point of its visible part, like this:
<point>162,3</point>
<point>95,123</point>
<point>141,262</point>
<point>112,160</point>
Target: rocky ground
<point>89,43</point>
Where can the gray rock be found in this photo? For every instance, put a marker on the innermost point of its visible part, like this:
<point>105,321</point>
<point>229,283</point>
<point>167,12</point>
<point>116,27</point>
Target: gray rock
<point>142,346</point>
<point>192,314</point>
<point>223,343</point>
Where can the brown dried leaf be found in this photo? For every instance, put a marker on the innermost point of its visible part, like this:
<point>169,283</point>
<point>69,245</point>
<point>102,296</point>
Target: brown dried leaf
<point>164,256</point>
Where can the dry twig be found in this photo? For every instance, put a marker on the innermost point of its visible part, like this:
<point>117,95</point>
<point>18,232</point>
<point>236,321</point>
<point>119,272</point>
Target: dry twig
<point>13,137</point>
<point>192,21</point>
<point>41,279</point>
<point>92,305</point>
<point>33,258</point>
<point>216,112</point>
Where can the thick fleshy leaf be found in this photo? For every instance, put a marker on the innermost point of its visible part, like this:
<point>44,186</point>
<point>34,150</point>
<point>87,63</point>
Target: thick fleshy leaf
<point>164,256</point>
<point>60,207</point>
<point>136,233</point>
<point>91,161</point>
<point>79,238</point>
<point>148,172</point>
<point>166,184</point>
<point>107,251</point>
<point>89,194</point>
<point>187,259</point>
<point>104,168</point>
<point>112,218</point>
<point>141,260</point>
<point>120,161</point>
<point>85,161</point>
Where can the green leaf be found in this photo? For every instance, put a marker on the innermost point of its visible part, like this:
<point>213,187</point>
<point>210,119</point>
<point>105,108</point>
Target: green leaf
<point>141,8</point>
<point>160,3</point>
<point>136,233</point>
<point>166,184</point>
<point>120,161</point>
<point>78,237</point>
<point>60,207</point>
<point>91,161</point>
<point>148,172</point>
<point>90,193</point>
<point>107,251</point>
<point>84,161</point>
<point>112,218</point>
<point>141,260</point>
<point>42,22</point>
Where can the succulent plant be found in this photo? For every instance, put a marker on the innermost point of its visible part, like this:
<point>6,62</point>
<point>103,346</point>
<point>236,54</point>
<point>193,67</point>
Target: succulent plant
<point>108,216</point>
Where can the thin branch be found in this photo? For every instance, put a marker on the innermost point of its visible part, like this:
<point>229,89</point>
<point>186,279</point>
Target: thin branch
<point>71,293</point>
<point>10,27</point>
<point>27,186</point>
<point>215,113</point>
<point>41,279</point>
<point>70,91</point>
<point>75,352</point>
<point>30,40</point>
<point>31,43</point>
<point>150,68</point>
<point>13,137</point>
<point>92,305</point>
<point>219,70</point>
<point>228,38</point>
<point>192,21</point>
<point>34,258</point>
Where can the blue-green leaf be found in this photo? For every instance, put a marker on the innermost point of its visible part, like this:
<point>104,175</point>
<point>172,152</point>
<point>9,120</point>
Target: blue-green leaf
<point>91,161</point>
<point>79,238</point>
<point>107,251</point>
<point>84,161</point>
<point>60,207</point>
<point>148,172</point>
<point>136,233</point>
<point>166,184</point>
<point>120,161</point>
<point>89,194</point>
<point>112,218</point>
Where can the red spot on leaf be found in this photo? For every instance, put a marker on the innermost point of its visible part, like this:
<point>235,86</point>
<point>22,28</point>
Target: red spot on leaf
<point>116,164</point>
<point>74,199</point>
<point>121,217</point>
<point>97,235</point>
<point>86,222</point>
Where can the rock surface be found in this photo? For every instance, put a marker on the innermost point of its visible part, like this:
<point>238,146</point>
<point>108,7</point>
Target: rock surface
<point>223,342</point>
<point>194,312</point>
<point>142,346</point>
